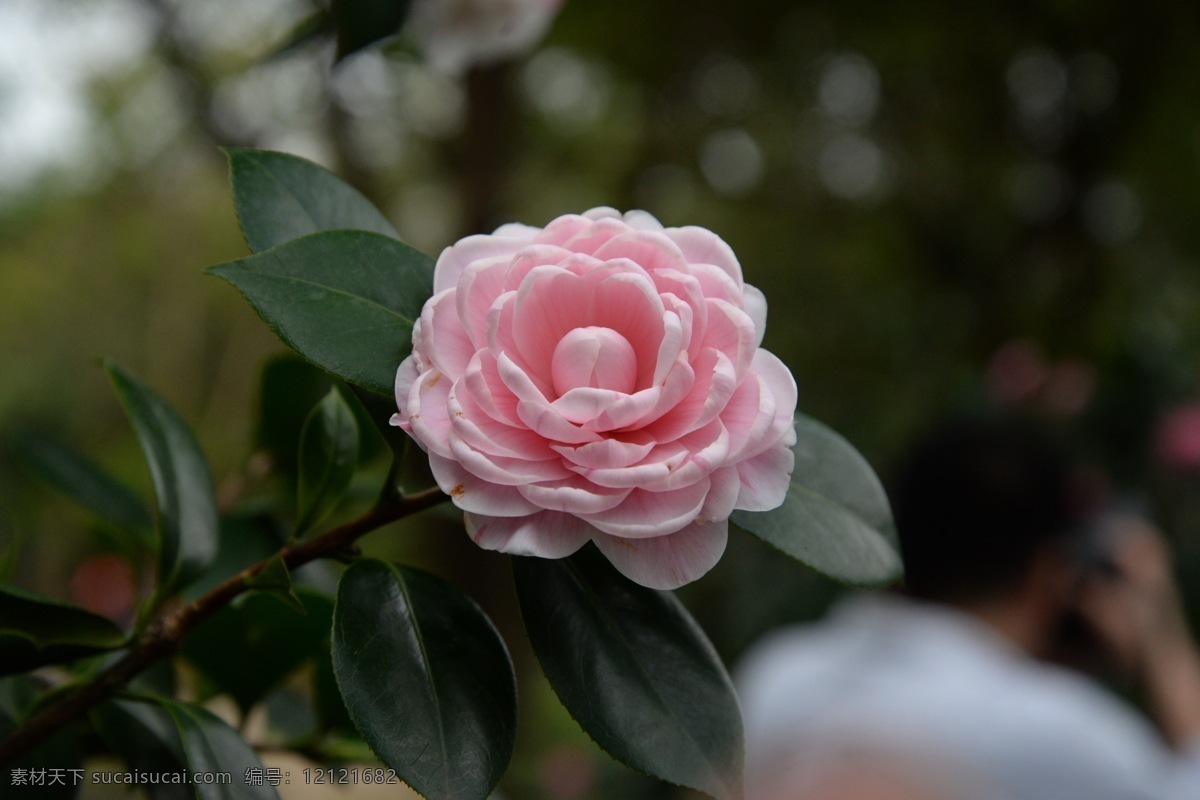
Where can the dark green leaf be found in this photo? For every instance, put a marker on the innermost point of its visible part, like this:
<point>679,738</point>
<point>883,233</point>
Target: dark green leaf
<point>411,471</point>
<point>243,541</point>
<point>187,505</point>
<point>275,580</point>
<point>36,630</point>
<point>280,197</point>
<point>378,410</point>
<point>248,648</point>
<point>289,387</point>
<point>635,670</point>
<point>426,678</point>
<point>144,736</point>
<point>360,23</point>
<point>18,694</point>
<point>328,456</point>
<point>88,485</point>
<point>211,746</point>
<point>836,517</point>
<point>327,700</point>
<point>345,300</point>
<point>248,539</point>
<point>60,754</point>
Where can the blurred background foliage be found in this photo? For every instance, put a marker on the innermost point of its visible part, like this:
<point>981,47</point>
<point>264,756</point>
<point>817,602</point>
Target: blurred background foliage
<point>948,206</point>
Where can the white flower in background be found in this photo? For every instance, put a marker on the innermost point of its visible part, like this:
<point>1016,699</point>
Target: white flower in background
<point>457,34</point>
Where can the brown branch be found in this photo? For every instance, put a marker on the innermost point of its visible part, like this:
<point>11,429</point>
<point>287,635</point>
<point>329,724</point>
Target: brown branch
<point>165,634</point>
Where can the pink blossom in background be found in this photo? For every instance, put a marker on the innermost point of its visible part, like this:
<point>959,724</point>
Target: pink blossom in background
<point>457,34</point>
<point>1017,371</point>
<point>1020,374</point>
<point>600,379</point>
<point>1070,388</point>
<point>105,584</point>
<point>1178,437</point>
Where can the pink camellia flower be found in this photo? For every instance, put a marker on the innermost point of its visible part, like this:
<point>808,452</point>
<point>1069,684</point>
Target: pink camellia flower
<point>599,379</point>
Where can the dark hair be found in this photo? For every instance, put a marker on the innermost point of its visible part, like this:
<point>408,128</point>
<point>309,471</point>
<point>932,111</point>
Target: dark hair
<point>974,503</point>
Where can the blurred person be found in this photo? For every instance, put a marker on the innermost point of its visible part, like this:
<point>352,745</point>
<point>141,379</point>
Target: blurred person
<point>954,671</point>
<point>863,774</point>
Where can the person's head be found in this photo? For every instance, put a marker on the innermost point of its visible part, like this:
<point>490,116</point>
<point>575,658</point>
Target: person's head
<point>978,503</point>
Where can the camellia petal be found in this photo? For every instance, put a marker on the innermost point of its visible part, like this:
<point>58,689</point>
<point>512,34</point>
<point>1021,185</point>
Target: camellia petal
<point>644,514</point>
<point>607,453</point>
<point>483,383</point>
<point>456,258</point>
<point>594,357</point>
<point>668,562</point>
<point>477,428</point>
<point>714,386</point>
<point>651,249</point>
<point>589,237</point>
<point>754,303</point>
<point>407,375</point>
<point>428,414</point>
<point>574,495</point>
<point>765,478</point>
<point>472,494</point>
<point>546,534</point>
<point>722,494</point>
<point>599,379</point>
<point>585,404</point>
<point>505,471</point>
<point>445,340</point>
<point>776,381</point>
<point>702,246</point>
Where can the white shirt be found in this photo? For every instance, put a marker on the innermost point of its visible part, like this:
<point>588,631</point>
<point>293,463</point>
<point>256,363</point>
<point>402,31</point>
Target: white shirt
<point>935,683</point>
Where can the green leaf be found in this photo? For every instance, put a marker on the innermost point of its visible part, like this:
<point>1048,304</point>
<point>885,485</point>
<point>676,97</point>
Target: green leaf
<point>275,580</point>
<point>345,300</point>
<point>289,387</point>
<point>378,410</point>
<point>243,540</point>
<point>280,197</point>
<point>37,630</point>
<point>411,472</point>
<point>248,539</point>
<point>83,481</point>
<point>360,23</point>
<point>144,736</point>
<point>426,678</point>
<point>201,741</point>
<point>248,648</point>
<point>327,699</point>
<point>187,505</point>
<point>635,670</point>
<point>18,695</point>
<point>328,456</point>
<point>836,517</point>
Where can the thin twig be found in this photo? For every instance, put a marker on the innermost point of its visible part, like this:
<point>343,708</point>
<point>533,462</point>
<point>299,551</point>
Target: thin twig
<point>164,635</point>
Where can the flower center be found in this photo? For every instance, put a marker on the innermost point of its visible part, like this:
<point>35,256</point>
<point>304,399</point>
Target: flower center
<point>595,357</point>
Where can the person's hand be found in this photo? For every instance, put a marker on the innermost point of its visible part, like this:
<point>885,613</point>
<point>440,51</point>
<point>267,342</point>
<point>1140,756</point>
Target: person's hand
<point>1136,611</point>
<point>1135,607</point>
